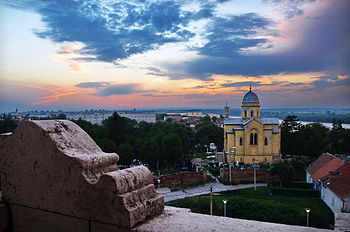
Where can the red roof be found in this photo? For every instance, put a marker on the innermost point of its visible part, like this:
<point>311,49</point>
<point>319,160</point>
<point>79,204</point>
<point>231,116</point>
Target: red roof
<point>317,164</point>
<point>323,165</point>
<point>339,183</point>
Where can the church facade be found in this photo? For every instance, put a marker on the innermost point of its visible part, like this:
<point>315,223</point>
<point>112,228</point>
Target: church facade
<point>252,139</point>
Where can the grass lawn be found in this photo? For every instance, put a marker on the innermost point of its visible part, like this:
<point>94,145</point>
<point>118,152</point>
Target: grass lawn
<point>260,206</point>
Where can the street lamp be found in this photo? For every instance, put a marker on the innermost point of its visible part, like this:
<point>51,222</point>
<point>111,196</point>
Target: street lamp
<point>307,216</point>
<point>225,201</point>
<point>158,181</point>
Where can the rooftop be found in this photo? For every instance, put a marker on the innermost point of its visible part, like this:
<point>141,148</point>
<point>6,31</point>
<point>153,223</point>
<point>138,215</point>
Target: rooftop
<point>323,165</point>
<point>339,183</point>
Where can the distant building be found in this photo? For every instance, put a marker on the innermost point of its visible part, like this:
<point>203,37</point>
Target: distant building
<point>140,117</point>
<point>251,139</point>
<point>226,111</point>
<point>94,118</point>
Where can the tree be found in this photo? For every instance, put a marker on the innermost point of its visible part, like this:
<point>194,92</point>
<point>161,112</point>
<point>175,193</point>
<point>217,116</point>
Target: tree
<point>7,125</point>
<point>60,116</point>
<point>120,129</point>
<point>315,139</point>
<point>284,170</point>
<point>171,147</point>
<point>290,137</point>
<point>126,153</point>
<point>208,132</point>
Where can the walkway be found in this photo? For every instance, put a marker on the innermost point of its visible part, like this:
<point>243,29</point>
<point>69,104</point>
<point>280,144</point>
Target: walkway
<point>200,190</point>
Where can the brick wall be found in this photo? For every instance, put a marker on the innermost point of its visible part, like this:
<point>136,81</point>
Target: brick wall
<point>247,175</point>
<point>172,180</point>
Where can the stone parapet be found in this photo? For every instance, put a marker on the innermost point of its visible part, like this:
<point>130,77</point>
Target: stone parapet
<point>342,222</point>
<point>55,166</point>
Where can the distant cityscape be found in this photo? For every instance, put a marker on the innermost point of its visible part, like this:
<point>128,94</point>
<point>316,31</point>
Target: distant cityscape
<point>324,115</point>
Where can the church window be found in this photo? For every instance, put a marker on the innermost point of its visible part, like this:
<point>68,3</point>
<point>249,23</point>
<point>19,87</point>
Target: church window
<point>240,141</point>
<point>241,159</point>
<point>253,138</point>
<point>245,113</point>
<point>251,113</point>
<point>265,159</point>
<point>253,159</point>
<point>266,142</point>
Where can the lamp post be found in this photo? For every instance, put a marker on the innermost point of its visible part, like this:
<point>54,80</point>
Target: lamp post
<point>211,198</point>
<point>307,216</point>
<point>225,201</point>
<point>158,181</point>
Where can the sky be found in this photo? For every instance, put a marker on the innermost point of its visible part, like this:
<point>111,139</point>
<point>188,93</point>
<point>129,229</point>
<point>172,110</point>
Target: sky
<point>107,54</point>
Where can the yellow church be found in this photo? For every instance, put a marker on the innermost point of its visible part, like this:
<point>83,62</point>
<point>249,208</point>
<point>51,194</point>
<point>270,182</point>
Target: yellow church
<point>252,139</point>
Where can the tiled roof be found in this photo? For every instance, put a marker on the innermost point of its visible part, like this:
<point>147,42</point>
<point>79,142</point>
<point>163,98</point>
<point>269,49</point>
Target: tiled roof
<point>270,121</point>
<point>323,165</point>
<point>238,121</point>
<point>340,182</point>
<point>233,121</point>
<point>319,162</point>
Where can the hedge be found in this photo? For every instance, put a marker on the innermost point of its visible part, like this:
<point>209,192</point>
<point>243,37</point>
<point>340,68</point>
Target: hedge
<point>300,185</point>
<point>294,192</point>
<point>297,185</point>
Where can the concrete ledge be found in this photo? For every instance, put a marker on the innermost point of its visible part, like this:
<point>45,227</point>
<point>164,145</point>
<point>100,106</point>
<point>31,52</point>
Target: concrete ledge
<point>176,219</point>
<point>342,222</point>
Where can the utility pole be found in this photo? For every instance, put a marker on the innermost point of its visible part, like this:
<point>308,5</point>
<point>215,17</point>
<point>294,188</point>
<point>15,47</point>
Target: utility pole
<point>211,198</point>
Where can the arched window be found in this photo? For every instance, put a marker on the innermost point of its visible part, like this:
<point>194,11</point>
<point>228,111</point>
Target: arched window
<point>251,113</point>
<point>255,139</point>
<point>245,113</point>
<point>266,142</point>
<point>257,112</point>
<point>240,141</point>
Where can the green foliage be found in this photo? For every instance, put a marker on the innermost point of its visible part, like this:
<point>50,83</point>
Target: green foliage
<point>313,139</point>
<point>214,171</point>
<point>208,132</point>
<point>295,192</point>
<point>299,185</point>
<point>60,116</point>
<point>7,125</point>
<point>260,205</point>
<point>339,139</point>
<point>284,170</point>
<point>126,153</point>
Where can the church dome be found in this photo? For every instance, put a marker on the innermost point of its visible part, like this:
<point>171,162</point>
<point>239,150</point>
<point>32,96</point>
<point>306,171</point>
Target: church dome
<point>250,98</point>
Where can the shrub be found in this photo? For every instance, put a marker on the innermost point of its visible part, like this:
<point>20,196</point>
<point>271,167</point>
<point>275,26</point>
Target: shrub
<point>294,192</point>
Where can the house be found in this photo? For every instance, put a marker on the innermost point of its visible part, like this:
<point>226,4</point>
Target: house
<point>335,189</point>
<point>320,169</point>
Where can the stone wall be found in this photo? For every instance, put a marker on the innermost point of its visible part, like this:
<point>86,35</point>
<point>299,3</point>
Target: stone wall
<point>53,166</point>
<point>246,176</point>
<point>173,180</point>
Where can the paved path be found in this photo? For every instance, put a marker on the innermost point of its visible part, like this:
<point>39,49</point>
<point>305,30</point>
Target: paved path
<point>204,189</point>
